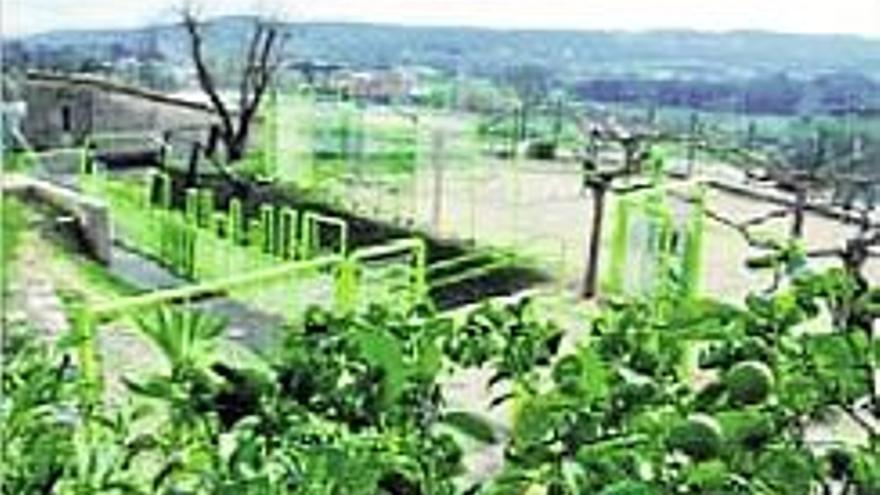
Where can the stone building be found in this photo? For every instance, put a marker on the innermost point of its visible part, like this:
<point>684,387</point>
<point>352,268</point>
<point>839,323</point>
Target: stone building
<point>61,109</point>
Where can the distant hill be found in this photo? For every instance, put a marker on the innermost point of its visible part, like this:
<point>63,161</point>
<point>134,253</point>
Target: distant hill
<point>569,54</point>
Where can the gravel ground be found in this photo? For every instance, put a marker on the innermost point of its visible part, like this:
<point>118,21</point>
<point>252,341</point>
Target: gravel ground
<point>539,208</point>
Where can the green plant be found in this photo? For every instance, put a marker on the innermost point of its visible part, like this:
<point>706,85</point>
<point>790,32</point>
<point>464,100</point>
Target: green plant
<point>12,214</point>
<point>357,392</point>
<point>512,339</point>
<point>709,399</point>
<point>627,405</point>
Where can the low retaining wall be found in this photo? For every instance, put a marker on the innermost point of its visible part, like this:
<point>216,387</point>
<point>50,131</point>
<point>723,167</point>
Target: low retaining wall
<point>92,214</point>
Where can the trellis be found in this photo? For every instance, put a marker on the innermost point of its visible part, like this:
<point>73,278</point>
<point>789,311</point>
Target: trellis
<point>305,140</point>
<point>656,243</point>
<point>286,146</point>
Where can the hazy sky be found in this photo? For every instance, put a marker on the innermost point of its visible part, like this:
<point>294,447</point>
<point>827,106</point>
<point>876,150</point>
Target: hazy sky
<point>804,16</point>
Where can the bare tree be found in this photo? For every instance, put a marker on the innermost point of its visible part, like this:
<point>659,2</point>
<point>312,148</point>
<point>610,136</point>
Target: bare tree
<point>600,182</point>
<point>261,63</point>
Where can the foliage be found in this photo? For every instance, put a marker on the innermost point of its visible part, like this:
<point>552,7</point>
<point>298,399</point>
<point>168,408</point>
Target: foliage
<point>356,394</point>
<point>630,405</point>
<point>708,399</point>
<point>511,339</point>
<point>13,219</point>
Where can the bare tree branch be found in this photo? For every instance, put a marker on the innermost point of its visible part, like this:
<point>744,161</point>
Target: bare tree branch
<point>261,63</point>
<point>206,81</point>
<point>247,74</point>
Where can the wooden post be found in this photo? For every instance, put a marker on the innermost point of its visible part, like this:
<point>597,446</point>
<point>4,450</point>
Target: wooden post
<point>288,224</point>
<point>598,187</point>
<point>797,226</point>
<point>192,169</point>
<point>191,210</point>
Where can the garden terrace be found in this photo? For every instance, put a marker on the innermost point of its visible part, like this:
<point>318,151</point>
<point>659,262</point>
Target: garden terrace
<point>504,277</point>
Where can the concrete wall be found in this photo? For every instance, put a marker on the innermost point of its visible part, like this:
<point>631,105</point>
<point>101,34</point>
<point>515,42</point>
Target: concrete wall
<point>92,214</point>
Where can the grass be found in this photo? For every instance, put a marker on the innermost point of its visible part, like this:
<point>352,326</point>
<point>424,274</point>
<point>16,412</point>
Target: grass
<point>13,223</point>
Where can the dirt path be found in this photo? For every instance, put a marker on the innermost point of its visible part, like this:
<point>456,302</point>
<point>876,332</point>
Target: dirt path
<point>33,295</point>
<point>46,275</point>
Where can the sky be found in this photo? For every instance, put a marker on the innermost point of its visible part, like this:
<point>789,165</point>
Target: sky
<point>861,17</point>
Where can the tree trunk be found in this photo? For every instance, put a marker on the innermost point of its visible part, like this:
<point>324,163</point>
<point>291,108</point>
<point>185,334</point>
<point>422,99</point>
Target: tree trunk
<point>213,141</point>
<point>797,227</point>
<point>598,190</point>
<point>235,150</point>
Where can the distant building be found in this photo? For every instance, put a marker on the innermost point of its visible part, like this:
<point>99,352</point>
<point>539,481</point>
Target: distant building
<point>315,73</point>
<point>384,85</point>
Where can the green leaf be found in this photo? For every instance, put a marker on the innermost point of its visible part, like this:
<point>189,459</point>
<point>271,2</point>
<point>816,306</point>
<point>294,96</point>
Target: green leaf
<point>596,374</point>
<point>606,447</point>
<point>430,359</point>
<point>630,487</point>
<point>470,424</point>
<point>154,387</point>
<point>710,476</point>
<point>536,417</point>
<point>787,471</point>
<point>383,351</point>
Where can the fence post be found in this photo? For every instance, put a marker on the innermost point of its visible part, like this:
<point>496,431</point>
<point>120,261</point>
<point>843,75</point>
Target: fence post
<point>189,232</point>
<point>267,224</point>
<point>192,205</point>
<point>255,240</point>
<point>86,159</point>
<point>694,246</point>
<point>305,245</point>
<point>173,228</point>
<point>162,185</point>
<point>236,221</point>
<point>206,207</point>
<point>619,246</point>
<point>287,233</point>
